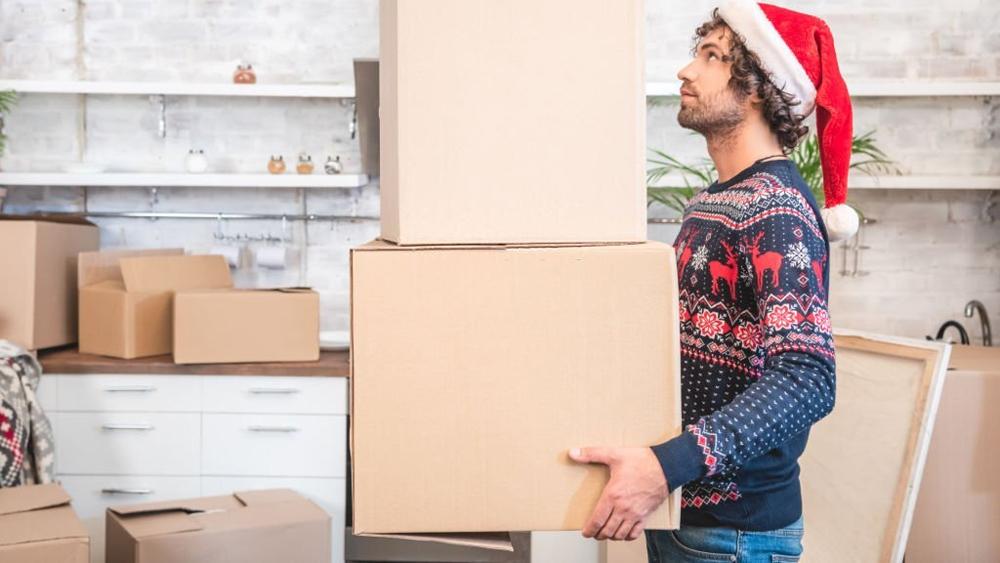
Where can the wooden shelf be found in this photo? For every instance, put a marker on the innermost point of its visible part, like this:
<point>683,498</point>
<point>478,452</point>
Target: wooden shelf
<point>878,88</point>
<point>179,88</point>
<point>143,179</point>
<point>910,182</point>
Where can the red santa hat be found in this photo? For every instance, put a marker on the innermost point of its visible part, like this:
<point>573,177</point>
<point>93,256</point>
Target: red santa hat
<point>797,50</point>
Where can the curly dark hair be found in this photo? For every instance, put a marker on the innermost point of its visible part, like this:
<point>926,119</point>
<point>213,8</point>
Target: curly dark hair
<point>749,76</point>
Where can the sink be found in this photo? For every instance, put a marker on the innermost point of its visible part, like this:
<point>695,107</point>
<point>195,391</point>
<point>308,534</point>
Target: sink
<point>975,358</point>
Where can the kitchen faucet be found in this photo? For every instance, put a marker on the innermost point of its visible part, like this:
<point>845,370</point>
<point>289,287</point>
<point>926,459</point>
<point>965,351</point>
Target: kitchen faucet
<point>970,308</point>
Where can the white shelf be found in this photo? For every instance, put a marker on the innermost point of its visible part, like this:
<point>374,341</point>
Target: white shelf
<point>878,88</point>
<point>143,179</point>
<point>179,88</point>
<point>910,182</point>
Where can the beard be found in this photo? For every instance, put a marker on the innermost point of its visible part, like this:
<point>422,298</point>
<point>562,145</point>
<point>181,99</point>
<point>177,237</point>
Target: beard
<point>714,117</point>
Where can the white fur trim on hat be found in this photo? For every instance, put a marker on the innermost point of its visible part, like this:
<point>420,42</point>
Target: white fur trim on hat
<point>841,222</point>
<point>747,19</point>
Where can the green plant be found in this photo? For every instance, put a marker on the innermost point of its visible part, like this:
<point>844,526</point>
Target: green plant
<point>7,100</point>
<point>870,160</point>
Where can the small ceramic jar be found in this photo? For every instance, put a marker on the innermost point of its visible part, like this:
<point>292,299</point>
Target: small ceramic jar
<point>276,165</point>
<point>333,165</point>
<point>244,74</point>
<point>305,165</point>
<point>196,161</point>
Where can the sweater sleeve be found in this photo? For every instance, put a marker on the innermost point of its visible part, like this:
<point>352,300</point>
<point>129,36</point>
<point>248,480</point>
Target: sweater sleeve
<point>786,255</point>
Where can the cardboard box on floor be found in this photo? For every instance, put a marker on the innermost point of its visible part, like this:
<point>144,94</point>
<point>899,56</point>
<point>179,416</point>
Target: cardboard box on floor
<point>250,527</point>
<point>482,366</point>
<point>37,524</point>
<point>38,307</point>
<point>246,325</point>
<point>126,298</point>
<point>487,105</point>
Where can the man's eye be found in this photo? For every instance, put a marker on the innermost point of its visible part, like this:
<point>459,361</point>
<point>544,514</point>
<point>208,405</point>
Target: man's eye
<point>712,55</point>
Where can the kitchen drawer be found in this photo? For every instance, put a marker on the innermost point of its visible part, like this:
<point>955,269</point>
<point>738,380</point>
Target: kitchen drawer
<point>143,393</point>
<point>128,443</point>
<point>274,445</point>
<point>284,395</point>
<point>90,501</point>
<point>48,392</point>
<point>330,494</point>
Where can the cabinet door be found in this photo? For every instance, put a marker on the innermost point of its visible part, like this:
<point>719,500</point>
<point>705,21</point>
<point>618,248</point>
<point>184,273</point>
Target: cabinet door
<point>139,443</point>
<point>140,393</point>
<point>328,493</point>
<point>266,445</point>
<point>284,395</point>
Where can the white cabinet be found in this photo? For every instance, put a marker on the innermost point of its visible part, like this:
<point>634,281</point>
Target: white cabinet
<point>123,439</point>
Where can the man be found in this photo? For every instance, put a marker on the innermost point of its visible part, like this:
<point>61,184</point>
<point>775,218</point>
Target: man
<point>757,355</point>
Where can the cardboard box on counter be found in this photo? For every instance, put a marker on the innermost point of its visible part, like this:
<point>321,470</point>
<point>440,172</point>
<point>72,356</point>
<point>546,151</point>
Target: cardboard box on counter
<point>482,366</point>
<point>511,122</point>
<point>38,307</point>
<point>37,524</point>
<point>126,298</point>
<point>246,325</point>
<point>250,527</point>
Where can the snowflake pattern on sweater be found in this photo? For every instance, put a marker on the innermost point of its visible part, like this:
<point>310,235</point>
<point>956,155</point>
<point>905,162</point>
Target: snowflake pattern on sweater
<point>757,354</point>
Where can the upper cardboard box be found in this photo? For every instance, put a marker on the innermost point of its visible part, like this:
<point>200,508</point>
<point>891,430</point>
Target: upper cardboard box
<point>482,367</point>
<point>38,307</point>
<point>512,121</point>
<point>37,524</point>
<point>126,298</point>
<point>250,527</point>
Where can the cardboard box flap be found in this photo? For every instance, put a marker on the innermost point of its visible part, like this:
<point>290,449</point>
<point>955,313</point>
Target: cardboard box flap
<point>174,273</point>
<point>96,267</point>
<point>145,524</point>
<point>267,496</point>
<point>53,523</point>
<point>382,244</point>
<point>31,497</point>
<point>67,219</point>
<point>495,541</point>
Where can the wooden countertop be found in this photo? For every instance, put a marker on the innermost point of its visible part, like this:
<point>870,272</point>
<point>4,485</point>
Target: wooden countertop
<point>71,361</point>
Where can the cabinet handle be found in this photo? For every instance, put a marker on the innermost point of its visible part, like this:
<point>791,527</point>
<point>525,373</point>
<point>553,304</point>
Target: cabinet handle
<point>272,429</point>
<point>131,389</point>
<point>273,390</point>
<point>127,426</point>
<point>118,491</point>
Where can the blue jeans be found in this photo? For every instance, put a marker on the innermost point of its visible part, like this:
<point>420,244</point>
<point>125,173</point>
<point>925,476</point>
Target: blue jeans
<point>705,545</point>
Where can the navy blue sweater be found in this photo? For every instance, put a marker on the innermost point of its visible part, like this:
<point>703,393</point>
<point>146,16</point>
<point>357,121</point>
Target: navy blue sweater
<point>757,355</point>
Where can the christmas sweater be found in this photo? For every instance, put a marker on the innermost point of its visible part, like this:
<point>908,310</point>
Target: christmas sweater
<point>757,355</point>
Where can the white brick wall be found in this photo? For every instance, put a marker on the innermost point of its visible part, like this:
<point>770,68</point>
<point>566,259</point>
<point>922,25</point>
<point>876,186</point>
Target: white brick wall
<point>931,251</point>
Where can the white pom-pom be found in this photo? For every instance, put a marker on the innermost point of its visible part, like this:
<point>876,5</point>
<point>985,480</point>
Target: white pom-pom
<point>841,221</point>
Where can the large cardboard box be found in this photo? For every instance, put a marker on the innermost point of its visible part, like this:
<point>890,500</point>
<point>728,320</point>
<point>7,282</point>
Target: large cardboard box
<point>480,367</point>
<point>250,527</point>
<point>246,325</point>
<point>512,121</point>
<point>37,287</point>
<point>126,298</point>
<point>37,524</point>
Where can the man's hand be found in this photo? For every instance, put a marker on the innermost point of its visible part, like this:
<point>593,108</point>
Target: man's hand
<point>636,488</point>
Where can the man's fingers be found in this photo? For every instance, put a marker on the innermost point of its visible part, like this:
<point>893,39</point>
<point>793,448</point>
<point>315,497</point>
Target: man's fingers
<point>598,518</point>
<point>637,530</point>
<point>610,527</point>
<point>592,455</point>
<point>624,530</point>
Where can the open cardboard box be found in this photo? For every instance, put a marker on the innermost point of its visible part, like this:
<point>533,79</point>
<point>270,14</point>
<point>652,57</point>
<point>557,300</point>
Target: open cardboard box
<point>38,524</point>
<point>38,307</point>
<point>126,297</point>
<point>475,369</point>
<point>262,526</point>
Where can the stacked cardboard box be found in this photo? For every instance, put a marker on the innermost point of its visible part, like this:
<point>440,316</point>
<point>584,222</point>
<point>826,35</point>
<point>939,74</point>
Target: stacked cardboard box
<point>37,524</point>
<point>512,310</point>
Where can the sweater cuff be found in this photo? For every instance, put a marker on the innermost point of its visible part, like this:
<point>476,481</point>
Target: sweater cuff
<point>681,459</point>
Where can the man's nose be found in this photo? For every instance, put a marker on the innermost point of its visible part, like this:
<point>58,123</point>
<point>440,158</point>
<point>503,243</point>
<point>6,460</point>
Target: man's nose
<point>687,74</point>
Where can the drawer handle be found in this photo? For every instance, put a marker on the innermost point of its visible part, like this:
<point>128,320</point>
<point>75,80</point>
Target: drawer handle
<point>131,389</point>
<point>127,426</point>
<point>117,491</point>
<point>273,429</point>
<point>273,390</point>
